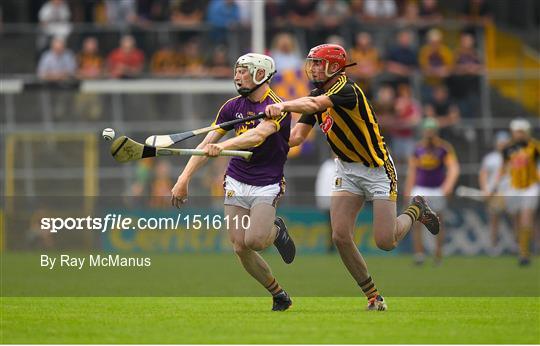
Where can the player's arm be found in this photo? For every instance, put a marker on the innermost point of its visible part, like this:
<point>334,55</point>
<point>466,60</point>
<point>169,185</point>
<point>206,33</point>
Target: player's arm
<point>304,105</point>
<point>452,173</point>
<point>248,139</point>
<point>180,190</point>
<point>299,134</point>
<point>483,180</point>
<point>411,176</point>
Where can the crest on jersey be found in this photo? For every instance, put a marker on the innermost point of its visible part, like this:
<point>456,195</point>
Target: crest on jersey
<point>230,193</point>
<point>327,123</point>
<point>337,182</point>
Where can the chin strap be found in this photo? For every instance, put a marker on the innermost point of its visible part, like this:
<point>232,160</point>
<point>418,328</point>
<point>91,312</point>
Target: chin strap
<point>245,91</point>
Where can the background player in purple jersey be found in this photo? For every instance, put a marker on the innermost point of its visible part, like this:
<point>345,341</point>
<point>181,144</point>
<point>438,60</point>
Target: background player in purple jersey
<point>251,188</point>
<point>433,172</point>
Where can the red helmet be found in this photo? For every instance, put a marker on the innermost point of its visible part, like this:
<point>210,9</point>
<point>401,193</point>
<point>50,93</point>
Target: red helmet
<point>329,54</point>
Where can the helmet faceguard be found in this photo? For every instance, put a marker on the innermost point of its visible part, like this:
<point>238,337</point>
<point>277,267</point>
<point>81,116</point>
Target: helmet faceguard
<point>327,55</point>
<point>254,63</point>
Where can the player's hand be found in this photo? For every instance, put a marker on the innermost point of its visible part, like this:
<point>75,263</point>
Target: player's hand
<point>274,111</point>
<point>179,192</point>
<point>447,191</point>
<point>213,149</point>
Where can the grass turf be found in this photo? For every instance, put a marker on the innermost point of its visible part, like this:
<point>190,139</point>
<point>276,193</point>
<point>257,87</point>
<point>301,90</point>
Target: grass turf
<point>248,320</point>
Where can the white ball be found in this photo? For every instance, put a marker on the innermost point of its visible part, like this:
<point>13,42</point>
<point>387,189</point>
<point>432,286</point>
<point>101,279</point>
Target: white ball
<point>108,134</point>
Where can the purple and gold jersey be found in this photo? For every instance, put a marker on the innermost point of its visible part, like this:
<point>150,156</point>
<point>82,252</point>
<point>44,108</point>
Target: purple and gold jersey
<point>430,162</point>
<point>266,164</point>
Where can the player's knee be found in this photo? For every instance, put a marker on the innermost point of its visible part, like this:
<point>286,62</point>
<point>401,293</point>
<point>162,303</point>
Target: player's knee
<point>255,244</point>
<point>341,238</point>
<point>384,243</point>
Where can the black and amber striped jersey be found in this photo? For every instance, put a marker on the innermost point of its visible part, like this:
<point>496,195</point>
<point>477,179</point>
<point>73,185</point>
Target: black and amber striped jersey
<point>350,125</point>
<point>522,159</point>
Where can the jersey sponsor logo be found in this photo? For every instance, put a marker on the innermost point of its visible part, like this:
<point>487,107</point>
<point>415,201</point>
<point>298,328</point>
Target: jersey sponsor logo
<point>327,123</point>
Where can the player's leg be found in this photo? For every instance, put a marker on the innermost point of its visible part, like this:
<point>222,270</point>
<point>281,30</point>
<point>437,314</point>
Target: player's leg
<point>525,227</point>
<point>439,242</point>
<point>262,231</point>
<point>343,212</point>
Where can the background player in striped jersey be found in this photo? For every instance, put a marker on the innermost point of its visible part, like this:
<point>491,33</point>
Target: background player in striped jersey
<point>521,162</point>
<point>433,172</point>
<point>364,168</point>
<point>251,188</point>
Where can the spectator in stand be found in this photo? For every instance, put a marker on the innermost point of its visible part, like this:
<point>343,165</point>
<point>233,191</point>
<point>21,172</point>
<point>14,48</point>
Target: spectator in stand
<point>219,65</point>
<point>192,59</point>
<point>465,82</point>
<point>274,12</point>
<point>54,19</point>
<point>285,52</point>
<point>90,62</point>
<point>244,8</point>
<point>429,12</point>
<point>367,61</point>
<point>402,58</point>
<point>408,116</point>
<point>445,112</point>
<point>332,14</point>
<point>336,39</point>
<point>58,63</point>
<point>222,15</point>
<point>166,62</point>
<point>380,10</point>
<point>385,107</point>
<point>161,185</point>
<point>187,12</point>
<point>477,12</point>
<point>436,62</point>
<point>121,12</point>
<point>411,13</point>
<point>153,10</point>
<point>302,13</point>
<point>126,61</point>
<point>90,66</point>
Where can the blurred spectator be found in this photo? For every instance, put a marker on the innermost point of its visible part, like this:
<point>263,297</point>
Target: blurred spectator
<point>161,185</point>
<point>121,12</point>
<point>356,9</point>
<point>429,12</point>
<point>336,39</point>
<point>58,63</point>
<point>302,13</point>
<point>126,61</point>
<point>385,107</point>
<point>290,80</point>
<point>380,9</point>
<point>285,52</point>
<point>332,14</point>
<point>187,12</point>
<point>411,13</point>
<point>476,12</point>
<point>90,66</point>
<point>402,59</point>
<point>166,62</point>
<point>408,116</point>
<point>153,10</point>
<point>222,15</point>
<point>465,82</point>
<point>90,63</point>
<point>54,18</point>
<point>445,112</point>
<point>435,61</point>
<point>274,12</point>
<point>366,57</point>
<point>192,59</point>
<point>219,65</point>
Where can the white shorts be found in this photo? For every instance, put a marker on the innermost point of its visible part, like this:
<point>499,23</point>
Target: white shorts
<point>246,196</point>
<point>520,199</point>
<point>434,196</point>
<point>369,182</point>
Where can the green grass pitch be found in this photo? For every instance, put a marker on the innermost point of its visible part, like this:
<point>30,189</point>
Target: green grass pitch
<point>465,300</point>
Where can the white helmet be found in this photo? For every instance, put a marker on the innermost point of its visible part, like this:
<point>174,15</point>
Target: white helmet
<point>255,62</point>
<point>520,124</point>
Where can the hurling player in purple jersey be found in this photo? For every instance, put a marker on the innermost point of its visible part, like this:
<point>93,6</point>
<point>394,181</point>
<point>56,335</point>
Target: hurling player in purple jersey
<point>251,188</point>
<point>433,172</point>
